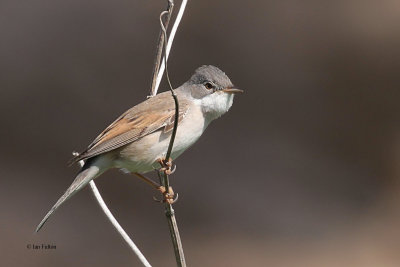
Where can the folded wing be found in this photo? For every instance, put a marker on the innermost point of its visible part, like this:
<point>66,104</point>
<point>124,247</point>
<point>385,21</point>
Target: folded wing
<point>151,115</point>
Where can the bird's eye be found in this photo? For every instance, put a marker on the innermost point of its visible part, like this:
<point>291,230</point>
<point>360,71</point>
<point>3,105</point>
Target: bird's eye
<point>209,85</point>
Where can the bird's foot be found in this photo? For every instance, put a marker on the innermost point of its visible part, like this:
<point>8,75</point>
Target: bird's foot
<point>168,196</point>
<point>167,166</point>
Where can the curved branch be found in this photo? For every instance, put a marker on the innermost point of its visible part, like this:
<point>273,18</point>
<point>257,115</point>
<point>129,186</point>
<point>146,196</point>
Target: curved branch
<point>117,226</point>
<point>115,223</point>
<point>169,45</point>
<point>169,211</point>
<point>159,53</point>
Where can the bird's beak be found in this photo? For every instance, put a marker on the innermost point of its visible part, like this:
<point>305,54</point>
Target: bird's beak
<point>232,90</point>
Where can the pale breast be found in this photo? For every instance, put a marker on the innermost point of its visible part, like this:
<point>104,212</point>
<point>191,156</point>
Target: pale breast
<point>141,155</point>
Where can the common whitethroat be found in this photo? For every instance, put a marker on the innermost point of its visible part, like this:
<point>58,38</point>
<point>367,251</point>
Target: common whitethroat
<point>139,138</point>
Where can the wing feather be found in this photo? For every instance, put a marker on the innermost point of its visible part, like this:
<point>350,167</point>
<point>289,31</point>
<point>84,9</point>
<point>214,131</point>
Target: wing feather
<point>147,117</point>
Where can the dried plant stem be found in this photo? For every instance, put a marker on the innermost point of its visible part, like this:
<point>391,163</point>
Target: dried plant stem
<point>176,238</point>
<point>169,45</point>
<point>115,223</point>
<point>164,179</point>
<point>117,226</point>
<point>160,48</point>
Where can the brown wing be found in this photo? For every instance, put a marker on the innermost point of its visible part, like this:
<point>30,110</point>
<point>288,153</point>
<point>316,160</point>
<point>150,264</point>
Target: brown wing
<point>149,116</point>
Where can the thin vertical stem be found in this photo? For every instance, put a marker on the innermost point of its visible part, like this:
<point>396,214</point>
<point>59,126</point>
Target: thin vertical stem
<point>169,211</point>
<point>169,44</point>
<point>176,238</point>
<point>160,47</point>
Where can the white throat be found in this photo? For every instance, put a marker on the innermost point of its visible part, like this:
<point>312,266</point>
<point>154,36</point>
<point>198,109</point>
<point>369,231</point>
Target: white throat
<point>216,104</point>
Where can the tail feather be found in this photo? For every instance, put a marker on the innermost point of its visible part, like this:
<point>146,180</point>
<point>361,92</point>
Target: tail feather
<point>87,173</point>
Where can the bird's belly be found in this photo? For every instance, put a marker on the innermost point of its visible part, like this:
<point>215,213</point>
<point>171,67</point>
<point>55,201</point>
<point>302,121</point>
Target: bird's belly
<point>142,155</point>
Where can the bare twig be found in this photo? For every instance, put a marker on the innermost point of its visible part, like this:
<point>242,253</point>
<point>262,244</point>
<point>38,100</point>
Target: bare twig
<point>171,141</point>
<point>164,180</point>
<point>160,46</point>
<point>115,223</point>
<point>117,226</point>
<point>169,45</point>
<point>169,211</point>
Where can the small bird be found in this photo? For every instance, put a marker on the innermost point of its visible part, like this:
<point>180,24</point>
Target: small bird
<point>138,140</point>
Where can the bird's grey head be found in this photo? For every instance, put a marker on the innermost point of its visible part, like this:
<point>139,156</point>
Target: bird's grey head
<point>207,80</point>
<point>213,89</point>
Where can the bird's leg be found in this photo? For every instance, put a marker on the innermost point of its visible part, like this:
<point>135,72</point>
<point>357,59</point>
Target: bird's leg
<point>168,196</point>
<point>149,181</point>
<point>167,166</point>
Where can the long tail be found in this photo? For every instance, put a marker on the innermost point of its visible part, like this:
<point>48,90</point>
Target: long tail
<point>88,172</point>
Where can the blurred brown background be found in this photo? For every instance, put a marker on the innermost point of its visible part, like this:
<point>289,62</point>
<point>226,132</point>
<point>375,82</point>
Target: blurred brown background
<point>303,171</point>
